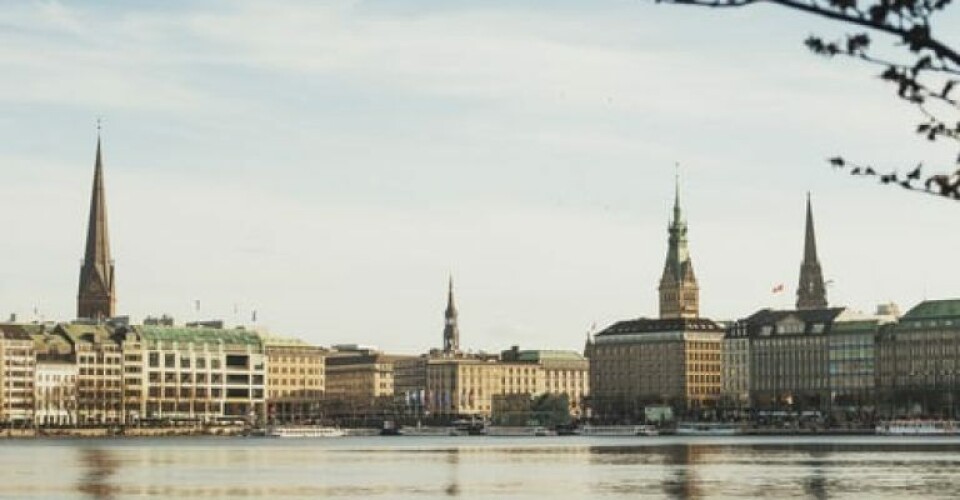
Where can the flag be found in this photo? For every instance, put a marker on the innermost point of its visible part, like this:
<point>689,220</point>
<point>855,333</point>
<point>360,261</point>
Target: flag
<point>196,305</point>
<point>777,289</point>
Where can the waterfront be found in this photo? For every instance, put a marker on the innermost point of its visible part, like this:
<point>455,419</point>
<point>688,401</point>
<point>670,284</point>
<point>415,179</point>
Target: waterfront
<point>482,467</point>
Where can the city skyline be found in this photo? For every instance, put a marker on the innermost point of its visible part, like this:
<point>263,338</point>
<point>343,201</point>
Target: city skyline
<point>544,240</point>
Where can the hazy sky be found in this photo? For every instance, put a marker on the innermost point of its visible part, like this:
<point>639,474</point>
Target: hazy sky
<point>329,163</point>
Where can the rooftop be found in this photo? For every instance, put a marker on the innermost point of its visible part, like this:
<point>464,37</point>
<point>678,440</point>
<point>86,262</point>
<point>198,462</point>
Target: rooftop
<point>934,309</point>
<point>197,335</point>
<point>648,325</point>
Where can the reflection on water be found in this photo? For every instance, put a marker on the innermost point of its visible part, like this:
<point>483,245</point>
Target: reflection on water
<point>98,465</point>
<point>663,467</point>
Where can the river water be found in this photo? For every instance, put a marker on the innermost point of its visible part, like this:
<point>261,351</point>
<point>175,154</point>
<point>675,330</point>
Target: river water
<point>482,467</point>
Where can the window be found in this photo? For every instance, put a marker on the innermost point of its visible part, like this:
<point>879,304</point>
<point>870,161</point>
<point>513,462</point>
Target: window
<point>154,359</point>
<point>169,360</point>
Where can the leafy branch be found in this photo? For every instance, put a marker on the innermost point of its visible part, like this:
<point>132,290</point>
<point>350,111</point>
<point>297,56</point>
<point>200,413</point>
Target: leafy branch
<point>928,77</point>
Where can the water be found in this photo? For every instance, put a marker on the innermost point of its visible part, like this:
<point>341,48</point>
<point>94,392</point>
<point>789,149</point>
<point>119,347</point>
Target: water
<point>482,467</point>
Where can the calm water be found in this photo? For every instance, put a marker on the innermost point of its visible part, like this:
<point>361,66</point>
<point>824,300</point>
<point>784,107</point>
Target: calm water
<point>412,467</point>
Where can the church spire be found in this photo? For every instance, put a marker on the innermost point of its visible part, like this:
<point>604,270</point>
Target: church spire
<point>97,298</point>
<point>811,292</point>
<point>679,293</point>
<point>451,331</point>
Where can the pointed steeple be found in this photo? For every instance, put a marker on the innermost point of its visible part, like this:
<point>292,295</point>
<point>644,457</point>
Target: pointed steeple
<point>679,293</point>
<point>451,331</point>
<point>96,298</point>
<point>811,292</point>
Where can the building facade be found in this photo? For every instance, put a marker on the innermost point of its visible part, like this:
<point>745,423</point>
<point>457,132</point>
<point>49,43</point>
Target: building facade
<point>653,362</point>
<point>196,374</point>
<point>17,375</point>
<point>789,364</point>
<point>99,359</point>
<point>296,379</point>
<point>918,362</point>
<point>735,368</point>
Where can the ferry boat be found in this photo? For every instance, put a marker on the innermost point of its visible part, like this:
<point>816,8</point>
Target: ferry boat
<point>305,431</point>
<point>619,430</point>
<point>918,428</point>
<point>708,429</point>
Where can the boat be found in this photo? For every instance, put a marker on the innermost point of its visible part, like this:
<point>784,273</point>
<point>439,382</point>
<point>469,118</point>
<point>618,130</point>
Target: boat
<point>918,428</point>
<point>304,431</point>
<point>619,430</point>
<point>708,429</point>
<point>497,430</point>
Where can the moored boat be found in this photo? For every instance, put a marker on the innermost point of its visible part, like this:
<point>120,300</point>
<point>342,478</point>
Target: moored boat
<point>708,429</point>
<point>304,431</point>
<point>918,428</point>
<point>496,430</point>
<point>619,430</point>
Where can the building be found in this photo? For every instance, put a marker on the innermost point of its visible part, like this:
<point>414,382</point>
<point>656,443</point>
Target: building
<point>17,375</point>
<point>564,373</point>
<point>99,361</point>
<point>55,386</point>
<point>195,374</point>
<point>97,297</point>
<point>918,362</point>
<point>644,362</point>
<point>465,385</point>
<point>735,368</point>
<point>360,381</point>
<point>673,360</point>
<point>296,379</point>
<point>789,364</point>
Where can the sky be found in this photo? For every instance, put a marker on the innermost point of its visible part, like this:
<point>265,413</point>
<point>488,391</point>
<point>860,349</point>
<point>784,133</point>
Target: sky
<point>329,164</point>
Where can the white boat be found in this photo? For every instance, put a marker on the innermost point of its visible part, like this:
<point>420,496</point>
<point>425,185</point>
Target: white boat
<point>708,429</point>
<point>304,431</point>
<point>619,430</point>
<point>918,428</point>
<point>496,430</point>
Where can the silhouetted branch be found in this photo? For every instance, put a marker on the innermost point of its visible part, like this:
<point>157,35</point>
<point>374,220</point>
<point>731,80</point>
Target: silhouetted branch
<point>926,81</point>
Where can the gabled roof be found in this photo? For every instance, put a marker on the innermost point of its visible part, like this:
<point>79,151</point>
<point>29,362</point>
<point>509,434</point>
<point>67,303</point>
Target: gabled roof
<point>89,333</point>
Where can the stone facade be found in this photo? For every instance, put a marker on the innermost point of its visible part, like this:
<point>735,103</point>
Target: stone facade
<point>643,362</point>
<point>17,375</point>
<point>296,379</point>
<point>918,362</point>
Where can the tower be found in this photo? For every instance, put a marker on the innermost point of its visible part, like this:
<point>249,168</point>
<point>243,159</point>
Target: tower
<point>679,293</point>
<point>97,296</point>
<point>451,332</point>
<point>811,292</point>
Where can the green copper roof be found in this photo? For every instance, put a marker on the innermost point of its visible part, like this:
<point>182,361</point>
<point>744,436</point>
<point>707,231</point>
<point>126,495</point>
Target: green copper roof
<point>865,325</point>
<point>274,340</point>
<point>932,309</point>
<point>197,335</point>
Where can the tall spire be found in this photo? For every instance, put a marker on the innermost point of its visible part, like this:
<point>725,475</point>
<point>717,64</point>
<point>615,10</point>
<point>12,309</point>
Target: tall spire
<point>97,298</point>
<point>811,292</point>
<point>679,293</point>
<point>451,331</point>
